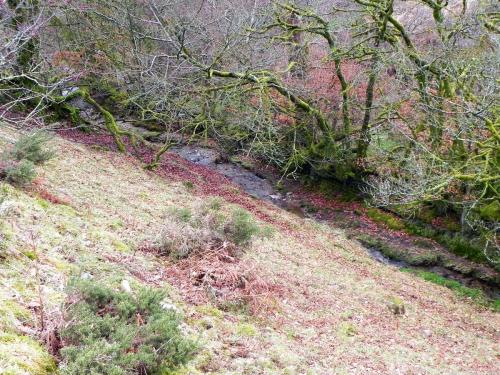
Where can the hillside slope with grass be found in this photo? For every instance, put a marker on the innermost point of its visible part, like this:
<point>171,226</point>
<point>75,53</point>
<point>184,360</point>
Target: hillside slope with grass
<point>255,289</point>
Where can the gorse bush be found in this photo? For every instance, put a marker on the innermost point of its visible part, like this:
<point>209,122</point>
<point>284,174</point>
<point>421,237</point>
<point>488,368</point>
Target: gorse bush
<point>205,227</point>
<point>32,147</point>
<point>120,333</point>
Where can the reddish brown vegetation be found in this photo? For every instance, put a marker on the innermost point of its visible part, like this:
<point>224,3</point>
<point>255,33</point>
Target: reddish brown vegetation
<point>218,275</point>
<point>38,189</point>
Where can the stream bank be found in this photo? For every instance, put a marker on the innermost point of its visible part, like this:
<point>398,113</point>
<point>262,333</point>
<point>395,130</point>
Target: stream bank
<point>389,247</point>
<point>393,247</point>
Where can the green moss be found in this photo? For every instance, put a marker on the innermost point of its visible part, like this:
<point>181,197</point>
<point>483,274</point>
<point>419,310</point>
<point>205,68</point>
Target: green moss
<point>496,304</point>
<point>246,329</point>
<point>243,162</point>
<point>280,186</point>
<point>491,211</point>
<point>43,203</point>
<point>456,243</point>
<point>30,254</point>
<point>23,355</point>
<point>429,258</point>
<point>387,219</point>
<point>12,314</point>
<point>426,215</point>
<point>116,224</point>
<point>210,311</point>
<point>474,294</point>
<point>236,306</point>
<point>120,246</point>
<point>461,246</point>
<point>347,330</point>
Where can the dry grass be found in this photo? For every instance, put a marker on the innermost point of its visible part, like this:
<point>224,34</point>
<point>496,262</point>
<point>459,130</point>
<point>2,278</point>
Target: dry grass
<point>330,316</point>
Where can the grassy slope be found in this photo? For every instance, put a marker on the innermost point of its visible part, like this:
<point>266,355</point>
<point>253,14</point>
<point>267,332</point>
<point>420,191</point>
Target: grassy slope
<point>333,319</point>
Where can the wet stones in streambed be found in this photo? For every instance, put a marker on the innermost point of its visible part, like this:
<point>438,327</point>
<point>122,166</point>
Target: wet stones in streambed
<point>250,182</point>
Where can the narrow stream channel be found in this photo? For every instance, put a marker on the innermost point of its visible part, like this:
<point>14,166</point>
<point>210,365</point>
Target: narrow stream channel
<point>264,189</point>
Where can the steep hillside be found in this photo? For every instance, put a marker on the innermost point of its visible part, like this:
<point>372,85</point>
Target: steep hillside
<point>300,299</point>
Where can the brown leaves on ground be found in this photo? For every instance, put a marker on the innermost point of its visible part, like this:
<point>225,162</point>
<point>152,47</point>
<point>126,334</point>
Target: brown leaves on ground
<point>219,275</point>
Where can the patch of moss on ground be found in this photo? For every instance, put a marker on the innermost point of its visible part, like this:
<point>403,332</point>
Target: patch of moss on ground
<point>246,329</point>
<point>474,294</point>
<point>210,310</point>
<point>346,330</point>
<point>456,243</point>
<point>385,218</point>
<point>491,211</point>
<point>23,355</point>
<point>12,315</point>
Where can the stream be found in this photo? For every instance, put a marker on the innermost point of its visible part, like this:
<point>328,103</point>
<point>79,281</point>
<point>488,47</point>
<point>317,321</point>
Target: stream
<point>264,188</point>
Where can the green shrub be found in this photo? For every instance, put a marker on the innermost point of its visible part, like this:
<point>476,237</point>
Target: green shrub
<point>120,333</point>
<point>205,227</point>
<point>32,147</point>
<point>241,227</point>
<point>385,218</point>
<point>20,173</point>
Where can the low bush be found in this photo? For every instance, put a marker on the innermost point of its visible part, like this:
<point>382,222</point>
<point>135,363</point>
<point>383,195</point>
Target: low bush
<point>241,227</point>
<point>205,227</point>
<point>180,239</point>
<point>121,333</point>
<point>32,147</point>
<point>20,172</point>
<point>18,164</point>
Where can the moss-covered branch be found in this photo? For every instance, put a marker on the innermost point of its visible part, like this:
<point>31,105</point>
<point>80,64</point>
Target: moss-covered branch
<point>109,119</point>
